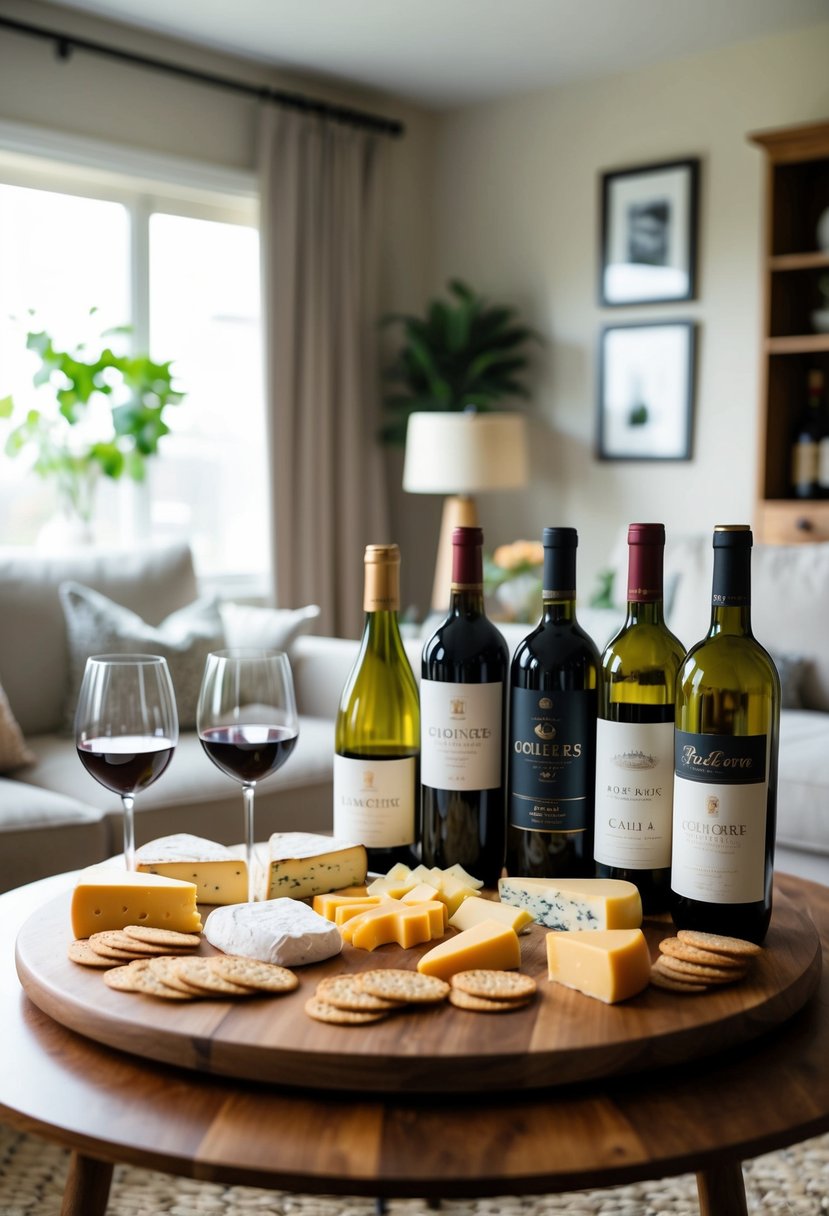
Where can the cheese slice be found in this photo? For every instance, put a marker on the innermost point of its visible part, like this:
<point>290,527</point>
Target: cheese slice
<point>489,945</point>
<point>424,891</point>
<point>474,910</point>
<point>283,931</point>
<point>108,898</point>
<point>301,864</point>
<point>406,924</point>
<point>221,877</point>
<point>341,908</point>
<point>575,903</point>
<point>392,888</point>
<point>611,964</point>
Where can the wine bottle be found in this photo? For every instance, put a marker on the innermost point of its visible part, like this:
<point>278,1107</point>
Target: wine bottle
<point>463,704</point>
<point>806,445</point>
<point>552,734</point>
<point>635,732</point>
<point>377,730</point>
<point>725,794</point>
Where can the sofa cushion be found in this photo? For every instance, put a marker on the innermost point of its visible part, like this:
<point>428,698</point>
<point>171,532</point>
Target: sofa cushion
<point>267,628</point>
<point>802,811</point>
<point>13,750</point>
<point>97,625</point>
<point>34,655</point>
<point>44,833</point>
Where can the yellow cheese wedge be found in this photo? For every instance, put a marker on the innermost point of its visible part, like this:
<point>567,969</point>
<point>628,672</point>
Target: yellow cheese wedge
<point>406,924</point>
<point>417,895</point>
<point>221,877</point>
<point>489,944</point>
<point>360,889</point>
<point>328,905</point>
<point>474,910</point>
<point>394,888</point>
<point>468,880</point>
<point>609,964</point>
<point>454,891</point>
<point>108,898</point>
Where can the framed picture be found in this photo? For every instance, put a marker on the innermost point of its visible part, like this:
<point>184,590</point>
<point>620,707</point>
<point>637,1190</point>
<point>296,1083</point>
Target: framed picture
<point>649,234</point>
<point>646,391</point>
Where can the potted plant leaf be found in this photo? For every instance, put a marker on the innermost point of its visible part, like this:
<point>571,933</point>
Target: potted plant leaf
<point>465,353</point>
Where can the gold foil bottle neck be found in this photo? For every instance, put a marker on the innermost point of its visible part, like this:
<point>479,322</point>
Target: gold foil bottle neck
<point>382,578</point>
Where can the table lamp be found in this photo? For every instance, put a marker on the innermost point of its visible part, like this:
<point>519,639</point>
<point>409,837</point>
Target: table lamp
<point>462,454</point>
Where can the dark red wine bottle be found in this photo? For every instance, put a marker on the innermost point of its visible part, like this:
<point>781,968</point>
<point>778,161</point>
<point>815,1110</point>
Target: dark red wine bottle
<point>552,732</point>
<point>462,709</point>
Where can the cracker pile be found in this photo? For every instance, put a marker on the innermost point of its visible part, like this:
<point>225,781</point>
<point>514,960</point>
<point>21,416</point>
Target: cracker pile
<point>371,996</point>
<point>486,991</point>
<point>692,962</point>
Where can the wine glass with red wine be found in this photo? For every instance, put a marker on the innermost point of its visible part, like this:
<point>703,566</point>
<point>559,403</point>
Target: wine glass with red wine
<point>247,722</point>
<point>126,727</point>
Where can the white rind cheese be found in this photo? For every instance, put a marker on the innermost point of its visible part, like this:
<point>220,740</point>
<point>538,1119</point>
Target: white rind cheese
<point>282,931</point>
<point>302,864</point>
<point>575,903</point>
<point>221,876</point>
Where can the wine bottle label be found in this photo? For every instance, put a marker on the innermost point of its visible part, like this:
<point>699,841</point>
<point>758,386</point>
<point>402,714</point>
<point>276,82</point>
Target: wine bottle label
<point>805,457</point>
<point>550,752</point>
<point>461,735</point>
<point>719,832</point>
<point>634,794</point>
<point>823,464</point>
<point>374,801</point>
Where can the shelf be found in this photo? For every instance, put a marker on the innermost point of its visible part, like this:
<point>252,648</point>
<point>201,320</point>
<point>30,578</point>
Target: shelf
<point>798,344</point>
<point>799,261</point>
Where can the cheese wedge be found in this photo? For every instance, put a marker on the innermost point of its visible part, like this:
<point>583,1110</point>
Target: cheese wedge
<point>302,864</point>
<point>393,888</point>
<point>489,945</point>
<point>329,905</point>
<point>468,880</point>
<point>575,903</point>
<point>108,898</point>
<point>417,895</point>
<point>474,910</point>
<point>221,877</point>
<point>611,964</point>
<point>406,924</point>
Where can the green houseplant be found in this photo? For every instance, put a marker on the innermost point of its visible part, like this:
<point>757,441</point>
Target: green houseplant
<point>464,353</point>
<point>103,415</point>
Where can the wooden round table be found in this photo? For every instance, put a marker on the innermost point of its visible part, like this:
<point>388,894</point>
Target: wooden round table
<point>703,1117</point>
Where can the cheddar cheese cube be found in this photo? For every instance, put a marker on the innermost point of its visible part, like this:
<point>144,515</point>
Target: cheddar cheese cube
<point>610,965</point>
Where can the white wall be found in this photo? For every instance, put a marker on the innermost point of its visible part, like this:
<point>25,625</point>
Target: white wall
<point>517,214</point>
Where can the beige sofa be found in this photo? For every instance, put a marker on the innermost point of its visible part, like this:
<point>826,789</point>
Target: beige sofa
<point>54,816</point>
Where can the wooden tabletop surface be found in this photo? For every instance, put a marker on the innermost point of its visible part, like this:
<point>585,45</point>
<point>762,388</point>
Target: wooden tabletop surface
<point>105,1104</point>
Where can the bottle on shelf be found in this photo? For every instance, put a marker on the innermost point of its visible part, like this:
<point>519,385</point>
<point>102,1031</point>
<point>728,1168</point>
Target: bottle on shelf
<point>463,705</point>
<point>806,446</point>
<point>725,796</point>
<point>552,733</point>
<point>823,450</point>
<point>377,730</point>
<point>635,731</point>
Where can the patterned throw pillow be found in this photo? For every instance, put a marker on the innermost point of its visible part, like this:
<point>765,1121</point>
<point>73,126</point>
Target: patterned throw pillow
<point>97,625</point>
<point>13,750</point>
<point>268,628</point>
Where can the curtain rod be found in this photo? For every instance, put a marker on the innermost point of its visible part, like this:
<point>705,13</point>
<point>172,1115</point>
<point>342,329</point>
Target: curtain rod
<point>65,44</point>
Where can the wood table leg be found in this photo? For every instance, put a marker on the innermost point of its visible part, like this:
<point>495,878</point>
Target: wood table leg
<point>87,1187</point>
<point>722,1191</point>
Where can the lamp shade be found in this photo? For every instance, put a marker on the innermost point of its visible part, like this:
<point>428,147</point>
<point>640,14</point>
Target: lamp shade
<point>465,453</point>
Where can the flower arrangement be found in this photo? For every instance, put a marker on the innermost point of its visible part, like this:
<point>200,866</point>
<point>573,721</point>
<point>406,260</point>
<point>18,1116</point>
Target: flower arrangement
<point>513,578</point>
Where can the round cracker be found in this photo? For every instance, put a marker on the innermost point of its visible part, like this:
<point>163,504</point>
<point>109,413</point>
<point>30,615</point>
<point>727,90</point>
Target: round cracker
<point>251,973</point>
<point>123,979</point>
<point>163,968</point>
<point>201,973</point>
<point>149,984</point>
<point>495,985</point>
<point>117,939</point>
<point>719,944</point>
<point>661,979</point>
<point>397,984</point>
<point>81,952</point>
<point>344,992</point>
<point>162,937</point>
<point>701,971</point>
<point>481,1004</point>
<point>114,953</point>
<point>693,954</point>
<point>321,1011</point>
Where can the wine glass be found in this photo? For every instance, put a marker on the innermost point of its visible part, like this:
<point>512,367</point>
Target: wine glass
<point>126,727</point>
<point>247,722</point>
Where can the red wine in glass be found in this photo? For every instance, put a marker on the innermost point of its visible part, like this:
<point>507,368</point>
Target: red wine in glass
<point>249,752</point>
<point>126,764</point>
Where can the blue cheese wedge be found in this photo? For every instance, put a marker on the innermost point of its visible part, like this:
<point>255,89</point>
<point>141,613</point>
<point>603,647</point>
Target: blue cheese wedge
<point>220,876</point>
<point>575,903</point>
<point>283,931</point>
<point>302,864</point>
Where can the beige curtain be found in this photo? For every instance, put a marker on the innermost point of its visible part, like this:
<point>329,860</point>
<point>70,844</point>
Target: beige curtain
<point>320,186</point>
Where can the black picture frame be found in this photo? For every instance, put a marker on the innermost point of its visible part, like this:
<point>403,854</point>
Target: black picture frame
<point>649,218</point>
<point>647,373</point>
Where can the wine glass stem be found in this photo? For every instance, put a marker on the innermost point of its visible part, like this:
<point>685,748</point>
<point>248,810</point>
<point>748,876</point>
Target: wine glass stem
<point>128,802</point>
<point>247,794</point>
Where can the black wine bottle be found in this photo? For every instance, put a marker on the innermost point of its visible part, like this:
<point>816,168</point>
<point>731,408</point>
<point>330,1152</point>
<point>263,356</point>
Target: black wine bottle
<point>552,732</point>
<point>462,711</point>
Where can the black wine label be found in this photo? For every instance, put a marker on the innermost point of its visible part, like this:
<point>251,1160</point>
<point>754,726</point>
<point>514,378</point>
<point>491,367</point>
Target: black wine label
<point>552,738</point>
<point>720,759</point>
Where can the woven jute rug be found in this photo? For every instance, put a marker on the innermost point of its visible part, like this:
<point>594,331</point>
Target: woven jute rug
<point>792,1182</point>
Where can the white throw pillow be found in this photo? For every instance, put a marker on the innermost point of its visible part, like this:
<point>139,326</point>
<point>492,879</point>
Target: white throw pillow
<point>266,628</point>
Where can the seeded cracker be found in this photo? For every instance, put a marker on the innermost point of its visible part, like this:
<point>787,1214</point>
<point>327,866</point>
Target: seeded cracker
<point>701,971</point>
<point>123,979</point>
<point>202,973</point>
<point>663,979</point>
<point>396,984</point>
<point>149,984</point>
<point>81,952</point>
<point>693,954</point>
<point>481,1004</point>
<point>163,937</point>
<point>250,973</point>
<point>495,985</point>
<point>164,970</point>
<point>734,946</point>
<point>343,992</point>
<point>320,1011</point>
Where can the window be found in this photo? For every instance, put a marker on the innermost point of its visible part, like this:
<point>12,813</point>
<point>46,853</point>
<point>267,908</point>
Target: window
<point>178,261</point>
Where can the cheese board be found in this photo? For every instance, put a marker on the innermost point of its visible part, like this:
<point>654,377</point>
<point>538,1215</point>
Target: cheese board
<point>559,1038</point>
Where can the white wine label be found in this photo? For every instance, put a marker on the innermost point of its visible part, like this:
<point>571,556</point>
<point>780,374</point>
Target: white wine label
<point>634,794</point>
<point>461,735</point>
<point>719,833</point>
<point>374,801</point>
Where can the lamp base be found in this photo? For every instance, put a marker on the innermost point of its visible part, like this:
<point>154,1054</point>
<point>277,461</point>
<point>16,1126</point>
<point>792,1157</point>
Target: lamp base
<point>459,511</point>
